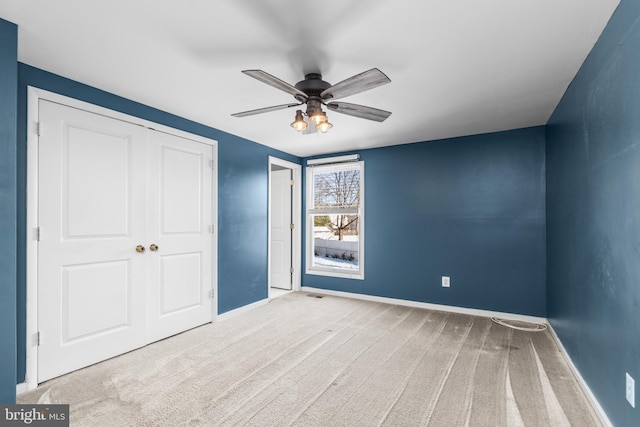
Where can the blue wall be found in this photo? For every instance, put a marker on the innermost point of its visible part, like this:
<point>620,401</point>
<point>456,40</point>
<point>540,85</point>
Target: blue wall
<point>471,208</point>
<point>242,195</point>
<point>8,129</point>
<point>593,216</point>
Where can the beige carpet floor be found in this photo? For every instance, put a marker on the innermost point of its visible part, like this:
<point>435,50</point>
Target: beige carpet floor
<point>307,361</point>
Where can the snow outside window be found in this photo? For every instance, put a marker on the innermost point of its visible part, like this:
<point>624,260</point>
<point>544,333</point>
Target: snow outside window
<point>335,220</point>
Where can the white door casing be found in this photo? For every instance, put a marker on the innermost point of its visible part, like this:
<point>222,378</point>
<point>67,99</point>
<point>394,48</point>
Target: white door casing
<point>105,186</point>
<point>281,233</point>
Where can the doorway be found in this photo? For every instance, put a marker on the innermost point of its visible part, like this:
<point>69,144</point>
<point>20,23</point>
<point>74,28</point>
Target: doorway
<point>284,227</point>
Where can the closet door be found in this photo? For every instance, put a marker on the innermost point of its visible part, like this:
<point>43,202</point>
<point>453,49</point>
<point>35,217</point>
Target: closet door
<point>92,215</point>
<point>180,183</point>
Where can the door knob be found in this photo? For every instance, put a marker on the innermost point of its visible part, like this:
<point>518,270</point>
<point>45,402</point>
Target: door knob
<point>139,248</point>
<point>154,247</point>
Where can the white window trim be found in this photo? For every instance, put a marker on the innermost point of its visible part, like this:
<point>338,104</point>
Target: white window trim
<point>309,211</point>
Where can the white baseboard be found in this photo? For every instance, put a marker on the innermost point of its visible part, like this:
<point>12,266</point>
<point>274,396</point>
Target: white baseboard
<point>430,306</point>
<point>22,388</point>
<point>243,309</point>
<point>602,416</point>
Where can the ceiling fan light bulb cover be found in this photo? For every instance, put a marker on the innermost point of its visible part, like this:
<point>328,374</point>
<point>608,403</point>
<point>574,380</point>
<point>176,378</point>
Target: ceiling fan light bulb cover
<point>299,124</point>
<point>319,117</point>
<point>325,126</point>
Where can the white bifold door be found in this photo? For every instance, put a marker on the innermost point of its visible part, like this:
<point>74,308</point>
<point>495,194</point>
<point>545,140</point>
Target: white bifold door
<point>126,245</point>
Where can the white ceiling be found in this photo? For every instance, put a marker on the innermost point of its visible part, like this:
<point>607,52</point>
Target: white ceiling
<point>457,67</point>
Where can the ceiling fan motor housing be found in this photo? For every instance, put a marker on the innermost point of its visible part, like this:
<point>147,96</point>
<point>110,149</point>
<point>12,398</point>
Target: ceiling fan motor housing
<point>313,86</point>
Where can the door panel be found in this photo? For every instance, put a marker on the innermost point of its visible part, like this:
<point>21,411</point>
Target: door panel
<point>181,190</point>
<point>96,187</point>
<point>96,298</point>
<point>180,282</point>
<point>180,217</point>
<point>280,229</point>
<point>91,282</point>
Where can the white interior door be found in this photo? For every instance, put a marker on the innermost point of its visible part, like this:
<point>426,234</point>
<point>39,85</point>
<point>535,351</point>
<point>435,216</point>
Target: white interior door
<point>280,229</point>
<point>92,286</point>
<point>180,221</point>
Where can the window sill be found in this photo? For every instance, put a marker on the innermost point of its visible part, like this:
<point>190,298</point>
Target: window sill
<point>335,273</point>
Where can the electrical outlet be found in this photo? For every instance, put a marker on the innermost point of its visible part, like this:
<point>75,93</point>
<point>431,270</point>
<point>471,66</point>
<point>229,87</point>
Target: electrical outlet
<point>631,391</point>
<point>446,281</point>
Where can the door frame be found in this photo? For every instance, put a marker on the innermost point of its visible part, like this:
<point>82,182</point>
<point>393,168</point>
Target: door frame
<point>34,95</point>
<point>296,204</point>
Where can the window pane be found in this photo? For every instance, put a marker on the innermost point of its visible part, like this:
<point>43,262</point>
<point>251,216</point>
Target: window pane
<point>336,189</point>
<point>336,242</point>
<point>335,219</point>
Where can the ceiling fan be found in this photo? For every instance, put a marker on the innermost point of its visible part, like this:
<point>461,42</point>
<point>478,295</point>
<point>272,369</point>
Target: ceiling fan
<point>315,92</point>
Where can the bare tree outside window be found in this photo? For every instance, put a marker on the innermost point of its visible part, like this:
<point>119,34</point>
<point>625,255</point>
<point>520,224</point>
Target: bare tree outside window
<point>341,190</point>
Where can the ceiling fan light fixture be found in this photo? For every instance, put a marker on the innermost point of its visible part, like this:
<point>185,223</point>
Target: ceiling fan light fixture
<point>319,117</point>
<point>314,111</point>
<point>299,124</point>
<point>325,126</point>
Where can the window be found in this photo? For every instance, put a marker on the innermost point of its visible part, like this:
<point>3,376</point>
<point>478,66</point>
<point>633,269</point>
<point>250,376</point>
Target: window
<point>335,220</point>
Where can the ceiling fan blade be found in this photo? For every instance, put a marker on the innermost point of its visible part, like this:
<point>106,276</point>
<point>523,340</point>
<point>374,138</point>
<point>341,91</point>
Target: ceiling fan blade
<point>356,84</point>
<point>360,111</point>
<point>267,78</point>
<point>264,110</point>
